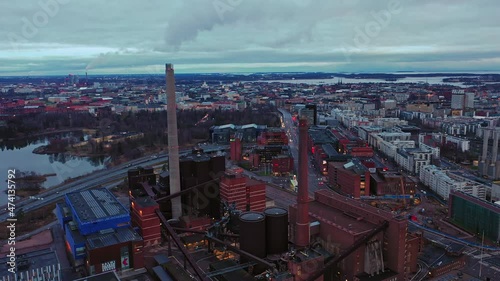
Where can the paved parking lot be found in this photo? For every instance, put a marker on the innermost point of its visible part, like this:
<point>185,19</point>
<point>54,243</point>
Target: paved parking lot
<point>41,262</point>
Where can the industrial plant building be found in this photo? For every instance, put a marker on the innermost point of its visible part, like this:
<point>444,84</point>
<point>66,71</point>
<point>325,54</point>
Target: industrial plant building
<point>271,151</point>
<point>197,168</point>
<point>337,222</point>
<point>98,233</point>
<point>382,183</point>
<point>200,168</point>
<point>247,194</point>
<point>352,178</point>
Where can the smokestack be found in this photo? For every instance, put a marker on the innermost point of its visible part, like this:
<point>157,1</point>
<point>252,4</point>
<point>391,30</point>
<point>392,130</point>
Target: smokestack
<point>494,154</point>
<point>495,147</point>
<point>86,79</point>
<point>483,168</point>
<point>302,224</point>
<point>173,142</point>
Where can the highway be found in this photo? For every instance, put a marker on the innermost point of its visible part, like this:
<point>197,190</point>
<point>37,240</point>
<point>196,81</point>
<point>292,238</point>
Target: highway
<point>92,180</point>
<point>435,235</point>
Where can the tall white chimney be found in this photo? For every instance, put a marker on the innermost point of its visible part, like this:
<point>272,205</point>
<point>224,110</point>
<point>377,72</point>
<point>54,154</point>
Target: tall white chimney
<point>173,142</point>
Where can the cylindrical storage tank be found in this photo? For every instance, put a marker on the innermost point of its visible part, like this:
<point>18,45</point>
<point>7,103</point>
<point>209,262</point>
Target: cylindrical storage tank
<point>253,234</point>
<point>276,230</point>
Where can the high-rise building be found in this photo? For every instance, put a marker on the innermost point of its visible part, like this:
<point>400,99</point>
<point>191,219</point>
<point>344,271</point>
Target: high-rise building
<point>458,99</point>
<point>469,100</point>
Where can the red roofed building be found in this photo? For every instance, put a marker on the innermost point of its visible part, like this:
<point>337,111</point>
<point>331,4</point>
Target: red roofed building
<point>361,151</point>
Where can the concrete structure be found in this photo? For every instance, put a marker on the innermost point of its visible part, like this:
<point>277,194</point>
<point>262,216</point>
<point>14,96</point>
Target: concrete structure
<point>302,231</point>
<point>173,142</point>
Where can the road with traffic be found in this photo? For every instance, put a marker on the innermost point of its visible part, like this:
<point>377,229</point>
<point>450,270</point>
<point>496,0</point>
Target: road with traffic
<point>315,179</point>
<point>98,178</point>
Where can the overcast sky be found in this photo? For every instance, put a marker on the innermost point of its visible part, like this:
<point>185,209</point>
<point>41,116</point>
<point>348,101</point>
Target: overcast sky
<point>125,36</point>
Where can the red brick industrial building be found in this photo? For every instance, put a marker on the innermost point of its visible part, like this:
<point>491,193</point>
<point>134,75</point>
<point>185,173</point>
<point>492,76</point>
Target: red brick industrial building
<point>247,194</point>
<point>273,137</point>
<point>337,222</point>
<point>142,214</point>
<point>352,178</point>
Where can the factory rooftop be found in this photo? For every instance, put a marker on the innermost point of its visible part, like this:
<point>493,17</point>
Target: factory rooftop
<point>95,204</point>
<point>111,236</point>
<point>145,201</point>
<point>351,223</point>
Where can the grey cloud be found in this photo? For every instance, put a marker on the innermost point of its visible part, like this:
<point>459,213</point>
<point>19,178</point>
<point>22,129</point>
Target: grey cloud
<point>142,33</point>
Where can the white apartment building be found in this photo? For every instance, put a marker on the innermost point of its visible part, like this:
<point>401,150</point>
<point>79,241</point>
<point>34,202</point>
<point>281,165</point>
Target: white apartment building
<point>442,182</point>
<point>389,122</point>
<point>412,159</point>
<point>436,151</point>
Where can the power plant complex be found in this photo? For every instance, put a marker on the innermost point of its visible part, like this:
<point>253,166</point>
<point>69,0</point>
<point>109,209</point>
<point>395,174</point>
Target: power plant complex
<point>200,207</point>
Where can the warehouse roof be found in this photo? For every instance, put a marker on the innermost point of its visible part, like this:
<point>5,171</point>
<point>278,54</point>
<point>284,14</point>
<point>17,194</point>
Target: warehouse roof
<point>95,204</point>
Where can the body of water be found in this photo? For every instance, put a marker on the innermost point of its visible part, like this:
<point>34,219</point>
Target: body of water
<point>335,80</point>
<point>64,166</point>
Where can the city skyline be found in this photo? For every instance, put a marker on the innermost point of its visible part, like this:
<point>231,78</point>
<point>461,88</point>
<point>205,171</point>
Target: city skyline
<point>56,37</point>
